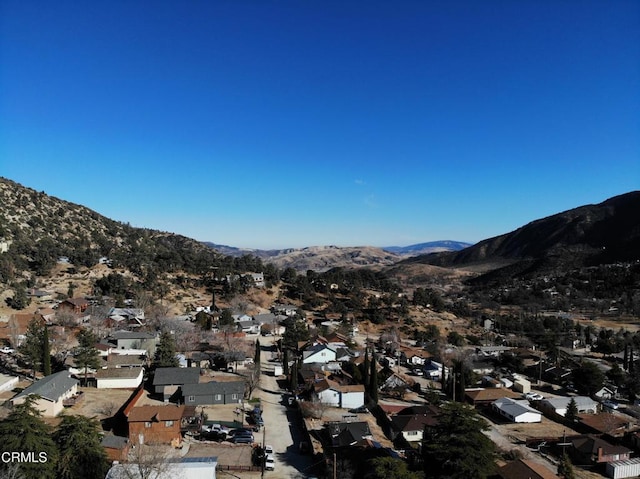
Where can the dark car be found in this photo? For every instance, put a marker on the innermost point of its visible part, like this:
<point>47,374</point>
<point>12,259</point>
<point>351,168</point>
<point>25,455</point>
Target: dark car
<point>242,439</point>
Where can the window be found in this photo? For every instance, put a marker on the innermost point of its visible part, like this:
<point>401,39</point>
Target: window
<point>218,397</point>
<point>191,399</point>
<point>168,424</point>
<point>412,433</point>
<point>147,424</point>
<point>234,396</point>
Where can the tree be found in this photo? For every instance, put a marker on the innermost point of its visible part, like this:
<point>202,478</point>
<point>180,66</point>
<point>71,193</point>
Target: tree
<point>24,431</point>
<point>572,411</point>
<point>165,356</point>
<point>226,318</point>
<point>295,331</point>
<point>285,362</point>
<point>366,366</point>
<point>588,378</point>
<point>87,355</point>
<point>294,377</point>
<point>81,453</point>
<point>390,468</point>
<point>373,380</point>
<point>32,346</point>
<point>456,447</point>
<point>46,352</point>
<point>256,357</point>
<point>252,378</point>
<point>565,467</point>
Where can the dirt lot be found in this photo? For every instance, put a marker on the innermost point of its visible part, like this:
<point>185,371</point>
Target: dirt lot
<point>100,403</point>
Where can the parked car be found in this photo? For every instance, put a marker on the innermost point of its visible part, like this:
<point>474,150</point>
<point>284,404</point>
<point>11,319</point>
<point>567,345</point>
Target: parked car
<point>418,372</point>
<point>242,439</point>
<point>7,350</point>
<point>359,410</point>
<point>534,396</point>
<point>268,449</point>
<point>611,404</point>
<point>269,463</point>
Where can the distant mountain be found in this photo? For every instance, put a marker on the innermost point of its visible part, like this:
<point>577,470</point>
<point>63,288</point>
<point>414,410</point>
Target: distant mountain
<point>427,248</point>
<point>604,233</point>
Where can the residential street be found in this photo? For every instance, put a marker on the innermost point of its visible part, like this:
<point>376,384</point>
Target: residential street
<point>283,426</point>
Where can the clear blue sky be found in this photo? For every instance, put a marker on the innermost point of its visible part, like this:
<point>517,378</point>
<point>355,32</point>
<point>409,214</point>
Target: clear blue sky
<point>272,124</point>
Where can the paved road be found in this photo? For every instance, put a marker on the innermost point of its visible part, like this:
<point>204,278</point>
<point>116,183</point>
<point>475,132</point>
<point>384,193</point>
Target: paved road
<point>283,426</point>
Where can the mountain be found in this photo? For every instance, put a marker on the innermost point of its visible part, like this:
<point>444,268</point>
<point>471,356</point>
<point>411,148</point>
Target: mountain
<point>36,230</point>
<point>427,248</point>
<point>589,235</point>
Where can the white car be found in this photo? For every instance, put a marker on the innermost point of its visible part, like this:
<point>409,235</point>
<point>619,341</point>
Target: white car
<point>7,350</point>
<point>269,463</point>
<point>268,450</point>
<point>534,396</point>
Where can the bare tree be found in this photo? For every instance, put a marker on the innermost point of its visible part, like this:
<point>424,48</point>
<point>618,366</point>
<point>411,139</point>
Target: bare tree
<point>252,378</point>
<point>147,462</point>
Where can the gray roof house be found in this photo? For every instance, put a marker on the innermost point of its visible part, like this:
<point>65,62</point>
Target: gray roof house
<point>134,340</point>
<point>167,381</point>
<point>51,391</point>
<point>213,392</point>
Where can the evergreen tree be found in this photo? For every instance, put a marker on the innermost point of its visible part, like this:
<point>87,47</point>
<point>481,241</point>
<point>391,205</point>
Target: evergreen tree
<point>565,467</point>
<point>285,362</point>
<point>391,468</point>
<point>256,358</point>
<point>294,377</point>
<point>165,356</point>
<point>366,366</point>
<point>46,352</point>
<point>373,380</point>
<point>572,411</point>
<point>32,346</point>
<point>81,453</point>
<point>24,431</point>
<point>87,355</point>
<point>456,446</point>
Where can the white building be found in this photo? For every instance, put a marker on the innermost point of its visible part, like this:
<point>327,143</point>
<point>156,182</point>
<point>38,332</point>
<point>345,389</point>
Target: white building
<point>119,378</point>
<point>516,411</point>
<point>558,405</point>
<point>319,353</point>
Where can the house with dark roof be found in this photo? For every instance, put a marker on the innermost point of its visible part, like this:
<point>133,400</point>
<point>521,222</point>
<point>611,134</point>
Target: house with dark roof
<point>155,424</point>
<point>213,392</point>
<point>74,305</point>
<point>345,434</point>
<point>589,449</point>
<point>168,381</point>
<point>484,397</point>
<point>522,468</point>
<point>411,427</point>
<point>50,393</point>
<point>318,353</point>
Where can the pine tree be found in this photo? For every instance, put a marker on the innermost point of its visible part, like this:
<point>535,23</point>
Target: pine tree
<point>373,379</point>
<point>87,355</point>
<point>24,431</point>
<point>31,347</point>
<point>165,356</point>
<point>456,446</point>
<point>565,467</point>
<point>294,377</point>
<point>571,415</point>
<point>81,453</point>
<point>366,366</point>
<point>46,352</point>
<point>256,358</point>
<point>285,362</point>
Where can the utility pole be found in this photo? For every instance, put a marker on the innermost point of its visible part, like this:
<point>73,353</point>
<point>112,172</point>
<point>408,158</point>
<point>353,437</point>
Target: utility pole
<point>335,467</point>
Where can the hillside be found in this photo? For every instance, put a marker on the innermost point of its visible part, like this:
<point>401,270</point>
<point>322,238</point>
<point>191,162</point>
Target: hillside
<point>589,235</point>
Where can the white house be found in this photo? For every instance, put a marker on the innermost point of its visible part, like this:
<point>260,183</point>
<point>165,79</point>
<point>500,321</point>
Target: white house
<point>516,411</point>
<point>318,353</point>
<point>119,378</point>
<point>559,405</point>
<point>183,468</point>
<point>334,394</point>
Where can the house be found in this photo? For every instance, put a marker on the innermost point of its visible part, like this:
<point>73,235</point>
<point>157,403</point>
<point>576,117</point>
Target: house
<point>155,424</point>
<point>116,447</point>
<point>213,392</point>
<point>592,449</point>
<point>134,340</point>
<point>411,422</point>
<point>167,381</point>
<point>346,434</point>
<point>130,317</point>
<point>612,425</point>
<point>558,405</point>
<point>485,397</point>
<point>74,305</point>
<point>397,381</point>
<point>433,370</point>
<point>50,392</point>
<point>521,385</point>
<point>119,378</point>
<point>335,394</point>
<point>522,468</point>
<point>285,309</point>
<point>318,353</point>
<point>183,468</point>
<point>13,331</point>
<point>249,326</point>
<point>516,411</point>
<point>606,392</point>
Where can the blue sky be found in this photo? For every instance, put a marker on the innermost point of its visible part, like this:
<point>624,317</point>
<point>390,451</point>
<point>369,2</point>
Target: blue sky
<point>271,124</point>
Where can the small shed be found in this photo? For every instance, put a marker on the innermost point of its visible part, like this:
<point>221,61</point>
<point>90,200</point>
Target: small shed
<point>623,469</point>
